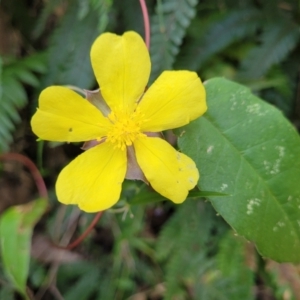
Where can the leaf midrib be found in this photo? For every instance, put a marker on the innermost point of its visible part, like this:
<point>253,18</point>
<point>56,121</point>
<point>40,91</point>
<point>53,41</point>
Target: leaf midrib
<point>256,172</point>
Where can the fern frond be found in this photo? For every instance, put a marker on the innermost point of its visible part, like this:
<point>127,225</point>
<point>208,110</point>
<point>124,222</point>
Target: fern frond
<point>13,96</point>
<point>279,37</point>
<point>68,57</point>
<point>167,31</point>
<point>102,8</point>
<point>183,243</point>
<point>237,278</point>
<point>217,35</point>
<point>196,267</point>
<point>224,275</point>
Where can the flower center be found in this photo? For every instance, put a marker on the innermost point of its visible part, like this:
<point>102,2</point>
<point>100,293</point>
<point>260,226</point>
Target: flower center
<point>126,128</point>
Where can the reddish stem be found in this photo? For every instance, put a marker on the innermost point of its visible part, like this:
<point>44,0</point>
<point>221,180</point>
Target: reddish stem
<point>146,22</point>
<point>39,181</point>
<point>86,233</point>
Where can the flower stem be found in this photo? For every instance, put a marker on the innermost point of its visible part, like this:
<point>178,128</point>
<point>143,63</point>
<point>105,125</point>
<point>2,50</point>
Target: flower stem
<point>39,181</point>
<point>86,233</point>
<point>146,22</point>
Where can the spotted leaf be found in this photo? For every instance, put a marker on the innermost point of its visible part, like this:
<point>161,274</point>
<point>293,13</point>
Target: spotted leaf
<point>246,148</point>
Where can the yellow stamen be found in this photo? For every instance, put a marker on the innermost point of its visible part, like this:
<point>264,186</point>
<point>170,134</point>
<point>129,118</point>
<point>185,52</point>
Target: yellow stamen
<point>126,128</point>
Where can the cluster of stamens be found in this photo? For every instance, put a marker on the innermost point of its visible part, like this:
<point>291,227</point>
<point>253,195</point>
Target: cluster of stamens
<point>126,128</point>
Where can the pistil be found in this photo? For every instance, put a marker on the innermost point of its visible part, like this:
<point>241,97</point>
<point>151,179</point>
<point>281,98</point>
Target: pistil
<point>126,128</point>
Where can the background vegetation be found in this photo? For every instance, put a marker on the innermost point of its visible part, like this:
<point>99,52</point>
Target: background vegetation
<point>157,251</point>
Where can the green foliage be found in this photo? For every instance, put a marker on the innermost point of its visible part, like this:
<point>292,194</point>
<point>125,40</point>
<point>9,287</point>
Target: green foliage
<point>126,265</point>
<point>68,57</point>
<point>244,42</point>
<point>13,95</point>
<point>102,8</point>
<point>130,12</point>
<point>46,12</point>
<point>237,277</point>
<point>7,293</point>
<point>112,275</point>
<point>83,287</point>
<point>168,28</point>
<point>257,154</point>
<point>161,250</point>
<point>280,283</point>
<point>278,39</point>
<point>216,34</point>
<point>190,268</point>
<point>16,226</point>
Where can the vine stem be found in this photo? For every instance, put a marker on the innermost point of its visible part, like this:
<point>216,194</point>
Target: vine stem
<point>85,233</point>
<point>38,179</point>
<point>146,22</point>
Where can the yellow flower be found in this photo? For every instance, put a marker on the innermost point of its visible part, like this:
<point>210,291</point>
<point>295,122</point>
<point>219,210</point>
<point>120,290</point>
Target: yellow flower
<point>122,65</point>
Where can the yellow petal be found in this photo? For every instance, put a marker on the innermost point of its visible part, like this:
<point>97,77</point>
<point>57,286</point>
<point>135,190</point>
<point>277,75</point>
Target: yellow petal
<point>174,99</point>
<point>188,170</point>
<point>170,173</point>
<point>122,67</point>
<point>65,116</point>
<point>94,179</point>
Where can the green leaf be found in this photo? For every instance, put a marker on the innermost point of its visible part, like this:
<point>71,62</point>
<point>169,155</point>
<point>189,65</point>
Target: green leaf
<point>144,196</point>
<point>245,147</point>
<point>16,225</point>
<point>36,62</point>
<point>27,76</point>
